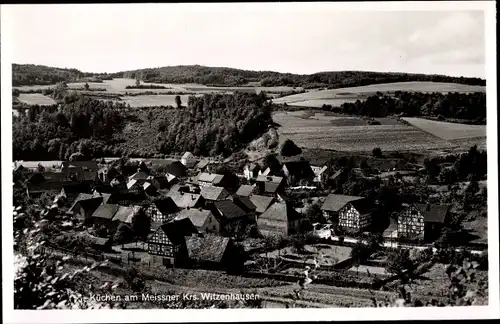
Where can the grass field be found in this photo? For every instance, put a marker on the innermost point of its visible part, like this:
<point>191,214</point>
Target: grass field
<point>153,100</point>
<point>336,97</point>
<point>352,134</point>
<point>447,131</point>
<point>36,99</point>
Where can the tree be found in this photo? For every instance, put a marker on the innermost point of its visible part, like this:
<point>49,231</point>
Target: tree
<point>137,82</point>
<point>150,117</point>
<point>314,213</point>
<point>399,261</point>
<point>123,234</point>
<point>358,254</point>
<point>178,101</point>
<point>76,157</point>
<point>141,225</point>
<point>289,148</point>
<point>377,152</point>
<point>86,86</point>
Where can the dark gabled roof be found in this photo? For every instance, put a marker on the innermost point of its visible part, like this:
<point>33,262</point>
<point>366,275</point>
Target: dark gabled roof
<point>177,169</point>
<point>245,203</point>
<point>245,190</point>
<point>139,175</point>
<point>87,201</point>
<point>229,210</point>
<point>166,206</point>
<point>106,211</point>
<point>363,206</point>
<point>176,230</point>
<point>336,174</point>
<point>433,213</point>
<point>280,211</point>
<point>336,202</point>
<point>105,196</point>
<point>299,169</point>
<point>271,187</point>
<point>125,214</point>
<point>261,202</point>
<point>198,217</point>
<point>273,179</point>
<point>214,193</point>
<point>207,248</point>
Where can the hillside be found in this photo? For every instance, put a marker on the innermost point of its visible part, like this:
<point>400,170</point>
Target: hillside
<point>30,74</point>
<point>222,76</point>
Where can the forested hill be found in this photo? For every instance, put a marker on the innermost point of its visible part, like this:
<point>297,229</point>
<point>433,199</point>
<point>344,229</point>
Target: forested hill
<point>30,74</point>
<point>220,76</point>
<point>234,77</point>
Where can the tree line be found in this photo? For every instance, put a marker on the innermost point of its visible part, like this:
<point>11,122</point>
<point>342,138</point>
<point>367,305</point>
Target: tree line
<point>30,74</point>
<point>466,106</point>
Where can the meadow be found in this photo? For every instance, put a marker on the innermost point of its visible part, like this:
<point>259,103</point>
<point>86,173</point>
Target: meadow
<point>36,99</point>
<point>341,134</point>
<point>447,131</point>
<point>153,100</point>
<point>336,97</point>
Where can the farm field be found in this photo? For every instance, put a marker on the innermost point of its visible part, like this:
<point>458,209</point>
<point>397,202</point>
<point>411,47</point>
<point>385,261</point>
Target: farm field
<point>36,99</point>
<point>118,86</point>
<point>336,97</point>
<point>153,100</point>
<point>341,134</point>
<point>447,131</point>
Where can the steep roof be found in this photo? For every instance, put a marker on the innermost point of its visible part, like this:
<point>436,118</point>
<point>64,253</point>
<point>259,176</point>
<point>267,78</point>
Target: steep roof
<point>273,179</point>
<point>261,202</point>
<point>202,164</point>
<point>106,211</point>
<point>253,166</point>
<point>363,206</point>
<point>229,209</point>
<point>319,170</point>
<point>76,188</point>
<point>177,169</point>
<point>280,211</point>
<point>139,175</point>
<point>245,190</point>
<point>184,200</point>
<point>336,174</point>
<point>271,187</point>
<point>433,213</point>
<point>125,214</point>
<point>299,169</point>
<point>86,201</point>
<point>336,202</point>
<point>214,193</point>
<point>198,217</point>
<point>213,178</point>
<point>207,248</point>
<point>245,203</point>
<point>105,196</point>
<point>188,155</point>
<point>166,206</point>
<point>132,183</point>
<point>176,230</point>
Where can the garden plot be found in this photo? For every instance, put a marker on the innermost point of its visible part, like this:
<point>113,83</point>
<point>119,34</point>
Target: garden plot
<point>448,131</point>
<point>36,99</point>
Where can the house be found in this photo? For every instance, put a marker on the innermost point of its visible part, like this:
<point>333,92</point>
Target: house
<point>246,204</point>
<point>356,215</point>
<point>210,252</point>
<point>140,176</point>
<point>261,203</point>
<point>160,211</point>
<point>269,185</point>
<point>245,190</point>
<point>80,170</point>
<point>298,172</point>
<point>177,169</point>
<point>320,177</point>
<point>209,179</point>
<point>84,206</point>
<point>251,171</point>
<point>104,214</point>
<point>135,186</point>
<point>106,197</point>
<point>280,219</point>
<point>149,189</point>
<point>333,204</point>
<point>124,215</point>
<point>189,160</point>
<point>168,243</point>
<point>421,221</point>
<point>231,217</point>
<point>73,189</point>
<point>204,220</point>
<point>107,173</point>
<point>185,200</point>
<point>213,193</point>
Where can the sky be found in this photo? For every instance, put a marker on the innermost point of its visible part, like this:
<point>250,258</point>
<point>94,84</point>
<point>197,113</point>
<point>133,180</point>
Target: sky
<point>301,39</point>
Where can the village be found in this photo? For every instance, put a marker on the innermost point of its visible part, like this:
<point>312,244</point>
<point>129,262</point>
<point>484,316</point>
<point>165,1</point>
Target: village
<point>180,213</point>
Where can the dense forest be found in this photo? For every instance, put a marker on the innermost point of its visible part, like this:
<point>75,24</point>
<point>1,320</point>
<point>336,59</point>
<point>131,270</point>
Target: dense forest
<point>215,124</point>
<point>210,125</point>
<point>235,77</point>
<point>30,74</point>
<point>221,76</point>
<point>450,105</point>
